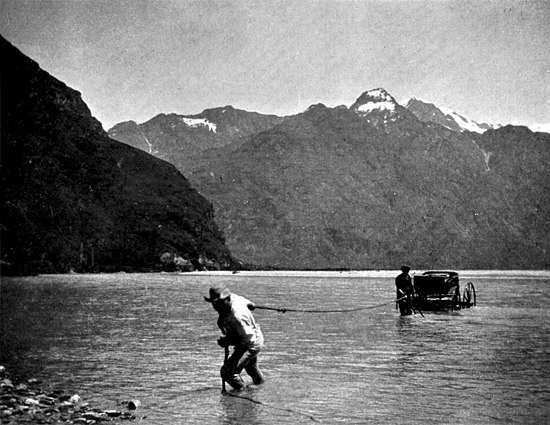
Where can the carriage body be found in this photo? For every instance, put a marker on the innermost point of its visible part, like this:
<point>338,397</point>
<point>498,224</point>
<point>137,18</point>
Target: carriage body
<point>440,290</point>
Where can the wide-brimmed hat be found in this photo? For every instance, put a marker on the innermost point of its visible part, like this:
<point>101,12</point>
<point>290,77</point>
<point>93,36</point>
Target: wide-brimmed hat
<point>219,292</point>
<point>405,268</point>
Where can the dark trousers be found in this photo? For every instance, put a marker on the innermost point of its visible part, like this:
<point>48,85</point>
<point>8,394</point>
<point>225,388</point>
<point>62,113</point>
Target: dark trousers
<point>241,358</point>
<point>405,307</point>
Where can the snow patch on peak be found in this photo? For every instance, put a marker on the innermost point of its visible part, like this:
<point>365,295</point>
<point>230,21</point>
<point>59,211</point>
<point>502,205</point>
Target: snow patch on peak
<point>380,94</point>
<point>196,122</point>
<point>371,106</point>
<point>463,123</point>
<point>149,144</point>
<point>375,100</point>
<point>444,116</point>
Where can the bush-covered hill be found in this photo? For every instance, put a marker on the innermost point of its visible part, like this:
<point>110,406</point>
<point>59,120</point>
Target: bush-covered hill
<point>72,198</point>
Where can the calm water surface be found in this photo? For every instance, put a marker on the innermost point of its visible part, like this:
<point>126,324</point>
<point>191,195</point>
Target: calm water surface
<point>152,337</point>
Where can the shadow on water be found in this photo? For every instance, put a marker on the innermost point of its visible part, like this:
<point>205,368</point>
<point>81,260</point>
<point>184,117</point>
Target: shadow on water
<point>240,410</point>
<point>251,398</point>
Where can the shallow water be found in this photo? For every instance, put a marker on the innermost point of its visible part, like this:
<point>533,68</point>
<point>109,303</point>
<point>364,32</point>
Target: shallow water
<point>152,337</point>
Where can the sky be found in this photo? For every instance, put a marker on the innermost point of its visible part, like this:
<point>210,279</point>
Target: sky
<point>133,59</point>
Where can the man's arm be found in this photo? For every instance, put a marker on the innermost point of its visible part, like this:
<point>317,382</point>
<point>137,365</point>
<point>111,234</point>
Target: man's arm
<point>221,324</point>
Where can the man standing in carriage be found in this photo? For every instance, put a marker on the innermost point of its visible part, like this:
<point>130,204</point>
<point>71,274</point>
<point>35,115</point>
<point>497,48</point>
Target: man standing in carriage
<point>405,290</point>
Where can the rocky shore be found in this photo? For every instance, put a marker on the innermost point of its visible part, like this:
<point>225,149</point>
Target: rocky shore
<point>29,402</point>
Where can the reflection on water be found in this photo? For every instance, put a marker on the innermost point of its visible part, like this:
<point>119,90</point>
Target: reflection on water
<point>152,337</point>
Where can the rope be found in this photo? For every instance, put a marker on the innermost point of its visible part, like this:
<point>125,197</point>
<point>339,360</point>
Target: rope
<point>295,310</point>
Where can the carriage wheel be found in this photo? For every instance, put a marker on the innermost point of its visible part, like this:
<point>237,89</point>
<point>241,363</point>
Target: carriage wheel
<point>469,295</point>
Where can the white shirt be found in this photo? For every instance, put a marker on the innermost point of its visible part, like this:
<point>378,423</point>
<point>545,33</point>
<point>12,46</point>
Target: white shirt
<point>240,326</point>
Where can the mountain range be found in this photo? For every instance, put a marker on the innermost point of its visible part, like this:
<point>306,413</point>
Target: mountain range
<point>368,186</point>
<point>74,199</point>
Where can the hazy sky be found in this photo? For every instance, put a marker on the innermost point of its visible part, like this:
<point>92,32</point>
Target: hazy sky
<point>488,60</point>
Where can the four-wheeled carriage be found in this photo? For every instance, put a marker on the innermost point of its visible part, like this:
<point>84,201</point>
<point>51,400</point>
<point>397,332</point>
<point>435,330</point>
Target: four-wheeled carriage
<point>440,290</point>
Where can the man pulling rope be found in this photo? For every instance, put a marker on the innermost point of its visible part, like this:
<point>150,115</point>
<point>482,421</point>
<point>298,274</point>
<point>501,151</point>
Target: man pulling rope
<point>240,330</point>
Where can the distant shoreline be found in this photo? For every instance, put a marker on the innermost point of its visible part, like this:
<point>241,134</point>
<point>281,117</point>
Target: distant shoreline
<point>463,274</point>
<point>374,273</point>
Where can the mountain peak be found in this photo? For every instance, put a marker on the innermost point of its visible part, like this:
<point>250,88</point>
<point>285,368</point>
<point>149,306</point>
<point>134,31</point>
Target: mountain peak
<point>316,106</point>
<point>429,112</point>
<point>375,100</point>
<point>380,94</point>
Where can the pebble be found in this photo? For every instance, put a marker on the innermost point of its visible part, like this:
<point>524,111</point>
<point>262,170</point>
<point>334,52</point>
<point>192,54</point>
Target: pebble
<point>27,403</point>
<point>31,401</point>
<point>75,399</point>
<point>134,404</point>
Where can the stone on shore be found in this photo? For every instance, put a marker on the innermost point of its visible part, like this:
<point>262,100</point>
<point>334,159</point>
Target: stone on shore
<point>27,403</point>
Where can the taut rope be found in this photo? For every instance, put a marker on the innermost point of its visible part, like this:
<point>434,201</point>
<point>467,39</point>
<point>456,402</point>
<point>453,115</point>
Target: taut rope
<point>297,310</point>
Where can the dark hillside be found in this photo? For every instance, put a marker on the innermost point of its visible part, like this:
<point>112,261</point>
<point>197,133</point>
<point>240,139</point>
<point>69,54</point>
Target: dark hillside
<point>518,162</point>
<point>72,198</point>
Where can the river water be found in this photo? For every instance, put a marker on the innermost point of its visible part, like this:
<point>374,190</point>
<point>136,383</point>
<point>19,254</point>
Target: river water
<point>152,337</point>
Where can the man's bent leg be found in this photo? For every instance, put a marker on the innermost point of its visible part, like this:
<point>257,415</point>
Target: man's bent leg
<point>252,368</point>
<point>232,368</point>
